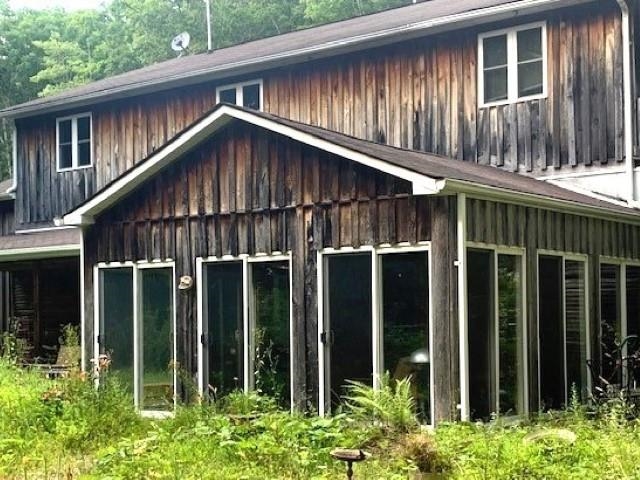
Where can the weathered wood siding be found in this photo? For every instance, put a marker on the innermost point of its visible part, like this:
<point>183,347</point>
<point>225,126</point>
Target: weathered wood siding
<point>247,191</point>
<point>423,95</point>
<point>7,217</point>
<point>420,94</point>
<point>534,229</point>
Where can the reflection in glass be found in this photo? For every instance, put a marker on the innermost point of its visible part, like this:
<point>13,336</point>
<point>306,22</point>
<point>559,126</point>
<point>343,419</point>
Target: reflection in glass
<point>348,310</point>
<point>271,330</point>
<point>576,329</point>
<point>116,323</point>
<point>610,318</point>
<point>405,316</point>
<point>481,338</point>
<point>510,331</point>
<point>223,283</point>
<point>156,339</point>
<point>228,95</point>
<point>251,96</point>
<point>633,318</point>
<point>530,79</point>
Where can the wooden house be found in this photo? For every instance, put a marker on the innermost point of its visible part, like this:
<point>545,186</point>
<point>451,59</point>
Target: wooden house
<point>445,191</point>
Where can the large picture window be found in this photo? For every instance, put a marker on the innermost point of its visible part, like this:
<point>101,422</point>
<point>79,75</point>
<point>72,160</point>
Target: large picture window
<point>135,326</point>
<point>374,321</point>
<point>73,136</point>
<point>563,330</point>
<point>496,332</point>
<point>245,324</point>
<point>512,64</point>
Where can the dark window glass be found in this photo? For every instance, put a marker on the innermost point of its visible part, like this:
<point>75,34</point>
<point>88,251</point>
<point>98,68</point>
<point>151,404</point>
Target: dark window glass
<point>228,95</point>
<point>84,128</point>
<point>495,85</point>
<point>349,320</point>
<point>251,96</point>
<point>481,301</point>
<point>156,340</point>
<point>116,323</point>
<point>610,320</point>
<point>64,132</point>
<point>530,79</point>
<point>495,51</point>
<point>550,293</point>
<point>65,156</point>
<point>84,154</point>
<point>633,319</point>
<point>530,45</point>
<point>405,316</point>
<point>576,329</point>
<point>271,335</point>
<point>223,283</point>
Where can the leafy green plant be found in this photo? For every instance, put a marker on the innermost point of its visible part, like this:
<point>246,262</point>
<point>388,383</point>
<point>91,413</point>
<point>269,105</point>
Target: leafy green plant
<point>392,404</point>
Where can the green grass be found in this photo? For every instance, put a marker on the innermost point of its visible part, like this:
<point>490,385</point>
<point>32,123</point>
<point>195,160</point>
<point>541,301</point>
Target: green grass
<point>68,429</point>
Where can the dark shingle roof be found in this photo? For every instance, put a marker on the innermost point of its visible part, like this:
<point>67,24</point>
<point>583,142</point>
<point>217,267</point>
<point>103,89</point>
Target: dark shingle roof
<point>299,46</point>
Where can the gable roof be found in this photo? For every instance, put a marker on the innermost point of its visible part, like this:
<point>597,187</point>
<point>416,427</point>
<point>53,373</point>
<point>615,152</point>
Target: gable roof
<point>358,33</point>
<point>428,174</point>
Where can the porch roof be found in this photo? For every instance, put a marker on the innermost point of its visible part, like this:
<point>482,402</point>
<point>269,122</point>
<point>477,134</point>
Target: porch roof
<point>429,174</point>
<point>60,242</point>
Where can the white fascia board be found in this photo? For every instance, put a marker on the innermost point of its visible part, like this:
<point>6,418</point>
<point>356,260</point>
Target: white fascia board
<point>487,192</point>
<point>84,215</point>
<point>32,253</point>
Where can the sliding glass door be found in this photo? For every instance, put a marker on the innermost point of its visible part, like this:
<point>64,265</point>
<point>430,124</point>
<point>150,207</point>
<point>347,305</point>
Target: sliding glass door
<point>496,332</point>
<point>135,326</point>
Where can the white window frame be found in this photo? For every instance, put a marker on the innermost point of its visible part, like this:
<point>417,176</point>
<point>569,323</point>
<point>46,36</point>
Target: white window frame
<point>239,86</point>
<point>572,257</point>
<point>512,64</point>
<point>137,267</point>
<point>248,315</point>
<point>464,369</point>
<point>623,263</point>
<point>377,325</point>
<point>74,141</point>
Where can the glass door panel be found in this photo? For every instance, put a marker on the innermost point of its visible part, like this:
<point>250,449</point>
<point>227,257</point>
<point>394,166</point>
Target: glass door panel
<point>610,320</point>
<point>116,323</point>
<point>271,321</point>
<point>633,321</point>
<point>156,339</point>
<point>224,328</point>
<point>576,329</point>
<point>348,321</point>
<point>405,317</point>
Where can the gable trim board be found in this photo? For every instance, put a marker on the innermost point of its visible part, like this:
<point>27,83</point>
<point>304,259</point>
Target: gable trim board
<point>361,33</point>
<point>429,174</point>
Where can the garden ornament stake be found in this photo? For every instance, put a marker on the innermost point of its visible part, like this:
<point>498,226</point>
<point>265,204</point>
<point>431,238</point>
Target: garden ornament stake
<point>349,457</point>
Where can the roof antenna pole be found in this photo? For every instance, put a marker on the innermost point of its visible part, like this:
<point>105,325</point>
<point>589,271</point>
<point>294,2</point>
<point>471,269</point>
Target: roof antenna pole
<point>209,41</point>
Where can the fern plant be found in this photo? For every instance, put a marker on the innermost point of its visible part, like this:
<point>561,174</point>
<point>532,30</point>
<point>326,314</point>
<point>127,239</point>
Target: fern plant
<point>392,404</point>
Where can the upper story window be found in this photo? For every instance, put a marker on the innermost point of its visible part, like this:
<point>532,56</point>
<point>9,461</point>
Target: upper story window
<point>74,141</point>
<point>246,94</point>
<point>512,64</point>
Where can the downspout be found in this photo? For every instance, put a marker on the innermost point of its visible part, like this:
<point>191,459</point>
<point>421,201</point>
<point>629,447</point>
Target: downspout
<point>14,160</point>
<point>628,101</point>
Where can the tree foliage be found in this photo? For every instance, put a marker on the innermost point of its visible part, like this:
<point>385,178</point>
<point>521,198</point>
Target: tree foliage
<point>43,52</point>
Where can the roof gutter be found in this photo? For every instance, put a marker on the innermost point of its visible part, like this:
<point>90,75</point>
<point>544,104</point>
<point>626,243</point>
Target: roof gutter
<point>345,45</point>
<point>486,192</point>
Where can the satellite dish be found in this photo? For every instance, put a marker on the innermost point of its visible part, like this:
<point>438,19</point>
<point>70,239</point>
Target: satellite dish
<point>180,43</point>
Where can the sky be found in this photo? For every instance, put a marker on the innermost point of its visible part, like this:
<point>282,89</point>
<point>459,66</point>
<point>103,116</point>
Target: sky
<point>66,4</point>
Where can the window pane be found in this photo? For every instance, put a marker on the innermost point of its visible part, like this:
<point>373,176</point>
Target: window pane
<point>271,335</point>
<point>530,79</point>
<point>64,131</point>
<point>251,96</point>
<point>84,154</point>
<point>550,317</point>
<point>228,95</point>
<point>576,329</point>
<point>64,156</point>
<point>495,85</point>
<point>510,329</point>
<point>529,44</point>
<point>481,339</point>
<point>84,128</point>
<point>610,319</point>
<point>116,323</point>
<point>156,339</point>
<point>633,315</point>
<point>495,51</point>
<point>349,315</point>
<point>405,313</point>
<point>224,326</point>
